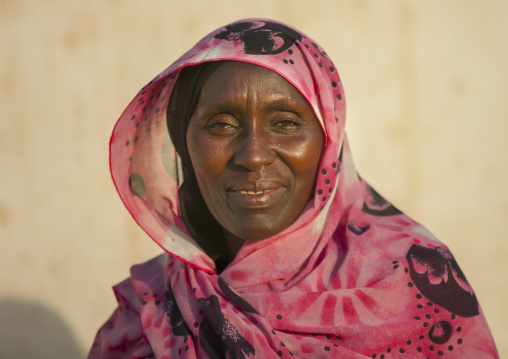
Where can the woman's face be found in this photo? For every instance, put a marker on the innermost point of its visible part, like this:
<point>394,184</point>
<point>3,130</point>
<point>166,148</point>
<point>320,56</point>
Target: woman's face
<point>255,146</point>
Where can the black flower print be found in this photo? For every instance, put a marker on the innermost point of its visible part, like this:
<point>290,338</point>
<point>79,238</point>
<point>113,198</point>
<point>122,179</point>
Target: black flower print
<point>175,318</point>
<point>376,205</point>
<point>438,277</point>
<point>261,38</point>
<point>217,334</point>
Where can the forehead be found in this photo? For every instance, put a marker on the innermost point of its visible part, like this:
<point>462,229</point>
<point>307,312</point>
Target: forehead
<point>237,80</point>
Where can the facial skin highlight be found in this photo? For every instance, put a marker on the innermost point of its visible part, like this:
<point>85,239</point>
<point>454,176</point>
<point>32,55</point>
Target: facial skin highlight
<point>255,146</point>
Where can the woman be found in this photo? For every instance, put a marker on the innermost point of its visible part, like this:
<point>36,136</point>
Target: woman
<point>275,247</point>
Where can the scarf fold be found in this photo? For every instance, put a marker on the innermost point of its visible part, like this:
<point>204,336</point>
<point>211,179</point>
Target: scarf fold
<point>353,277</point>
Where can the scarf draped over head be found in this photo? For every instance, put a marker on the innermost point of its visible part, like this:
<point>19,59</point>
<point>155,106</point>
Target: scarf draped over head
<point>352,277</point>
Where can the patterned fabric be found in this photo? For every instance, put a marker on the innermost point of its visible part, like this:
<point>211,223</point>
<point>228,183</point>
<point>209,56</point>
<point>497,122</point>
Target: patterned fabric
<point>353,277</point>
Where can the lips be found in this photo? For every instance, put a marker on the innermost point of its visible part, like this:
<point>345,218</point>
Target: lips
<point>254,195</point>
<point>254,192</point>
<point>255,187</point>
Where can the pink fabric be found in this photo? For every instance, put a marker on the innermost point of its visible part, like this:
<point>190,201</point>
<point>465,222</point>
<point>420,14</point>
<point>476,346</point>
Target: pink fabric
<point>353,277</point>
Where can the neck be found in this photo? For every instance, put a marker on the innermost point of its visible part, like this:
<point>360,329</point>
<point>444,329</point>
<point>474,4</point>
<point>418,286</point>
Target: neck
<point>232,245</point>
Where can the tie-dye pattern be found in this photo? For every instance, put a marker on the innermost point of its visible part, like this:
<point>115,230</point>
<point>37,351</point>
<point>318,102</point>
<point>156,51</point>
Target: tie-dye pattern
<point>353,277</point>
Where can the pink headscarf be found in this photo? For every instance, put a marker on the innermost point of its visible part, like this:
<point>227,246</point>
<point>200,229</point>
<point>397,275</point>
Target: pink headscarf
<point>353,277</point>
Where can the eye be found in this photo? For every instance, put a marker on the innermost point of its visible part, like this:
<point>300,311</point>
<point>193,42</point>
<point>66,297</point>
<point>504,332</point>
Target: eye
<point>286,125</point>
<point>222,124</point>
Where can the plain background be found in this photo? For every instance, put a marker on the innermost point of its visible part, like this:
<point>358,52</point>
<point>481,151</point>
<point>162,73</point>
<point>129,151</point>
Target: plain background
<point>427,117</point>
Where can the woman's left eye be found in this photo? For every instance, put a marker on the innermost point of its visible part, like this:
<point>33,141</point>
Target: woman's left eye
<point>286,124</point>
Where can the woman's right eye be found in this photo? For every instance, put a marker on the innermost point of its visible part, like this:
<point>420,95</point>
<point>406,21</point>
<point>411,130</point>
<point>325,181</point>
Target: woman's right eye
<point>220,126</point>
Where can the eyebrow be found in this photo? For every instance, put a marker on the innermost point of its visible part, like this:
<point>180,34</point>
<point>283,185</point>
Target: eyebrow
<point>291,105</point>
<point>286,103</point>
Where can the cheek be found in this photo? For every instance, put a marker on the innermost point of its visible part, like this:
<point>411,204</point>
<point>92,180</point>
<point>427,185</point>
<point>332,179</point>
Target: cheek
<point>200,150</point>
<point>208,160</point>
<point>305,160</point>
<point>309,165</point>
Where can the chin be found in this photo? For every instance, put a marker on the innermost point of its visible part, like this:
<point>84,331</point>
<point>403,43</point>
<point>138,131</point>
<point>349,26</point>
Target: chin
<point>256,225</point>
<point>257,232</point>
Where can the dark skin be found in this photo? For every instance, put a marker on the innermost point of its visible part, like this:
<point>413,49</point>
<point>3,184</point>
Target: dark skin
<point>255,145</point>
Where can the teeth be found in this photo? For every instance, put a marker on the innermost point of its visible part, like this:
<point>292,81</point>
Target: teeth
<point>253,192</point>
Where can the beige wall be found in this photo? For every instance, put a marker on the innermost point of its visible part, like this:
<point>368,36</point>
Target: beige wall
<point>426,85</point>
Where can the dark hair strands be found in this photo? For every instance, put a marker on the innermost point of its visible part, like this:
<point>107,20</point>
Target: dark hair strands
<point>200,223</point>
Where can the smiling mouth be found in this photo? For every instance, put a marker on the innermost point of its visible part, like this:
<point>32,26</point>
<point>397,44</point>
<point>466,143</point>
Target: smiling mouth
<point>254,192</point>
<point>254,200</point>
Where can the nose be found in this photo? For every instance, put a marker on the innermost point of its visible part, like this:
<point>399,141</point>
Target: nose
<point>255,150</point>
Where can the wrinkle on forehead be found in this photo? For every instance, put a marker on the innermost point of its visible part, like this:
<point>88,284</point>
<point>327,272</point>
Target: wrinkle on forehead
<point>268,92</point>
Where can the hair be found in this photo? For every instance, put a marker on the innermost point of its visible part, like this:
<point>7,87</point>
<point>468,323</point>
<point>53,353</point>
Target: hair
<point>200,223</point>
